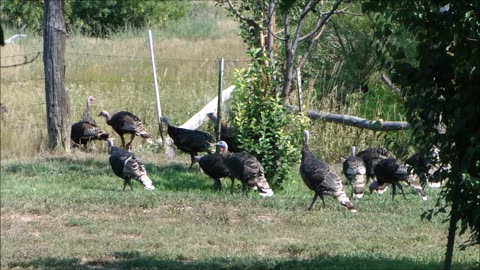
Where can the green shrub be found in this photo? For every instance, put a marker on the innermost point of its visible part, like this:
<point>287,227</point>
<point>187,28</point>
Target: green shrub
<point>266,129</point>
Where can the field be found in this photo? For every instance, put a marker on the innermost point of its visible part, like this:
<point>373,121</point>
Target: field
<point>68,211</point>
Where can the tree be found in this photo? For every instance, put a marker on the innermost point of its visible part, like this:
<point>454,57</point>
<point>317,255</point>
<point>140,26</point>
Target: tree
<point>441,89</point>
<point>261,23</point>
<point>302,24</point>
<point>97,18</point>
<point>54,38</point>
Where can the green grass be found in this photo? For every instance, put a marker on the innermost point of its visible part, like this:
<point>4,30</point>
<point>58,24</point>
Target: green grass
<point>69,212</point>
<point>118,73</point>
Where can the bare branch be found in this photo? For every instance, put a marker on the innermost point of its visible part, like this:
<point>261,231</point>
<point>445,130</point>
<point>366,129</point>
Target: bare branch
<point>25,62</point>
<point>375,125</point>
<point>322,21</point>
<point>386,80</point>
<point>304,57</point>
<point>248,21</point>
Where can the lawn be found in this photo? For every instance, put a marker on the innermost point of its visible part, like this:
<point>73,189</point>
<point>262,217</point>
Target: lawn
<point>70,212</point>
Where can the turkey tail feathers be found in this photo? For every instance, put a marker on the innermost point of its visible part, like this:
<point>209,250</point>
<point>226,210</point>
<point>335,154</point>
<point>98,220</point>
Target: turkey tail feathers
<point>263,187</point>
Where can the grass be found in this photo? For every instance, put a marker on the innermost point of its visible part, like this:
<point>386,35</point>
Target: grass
<point>69,212</point>
<point>118,73</point>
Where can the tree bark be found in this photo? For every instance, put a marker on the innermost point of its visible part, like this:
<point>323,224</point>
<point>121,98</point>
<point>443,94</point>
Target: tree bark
<point>452,228</point>
<point>376,125</point>
<point>54,38</point>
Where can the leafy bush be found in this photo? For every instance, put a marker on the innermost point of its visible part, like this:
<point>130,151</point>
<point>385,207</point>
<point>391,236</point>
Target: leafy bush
<point>266,129</point>
<point>97,17</point>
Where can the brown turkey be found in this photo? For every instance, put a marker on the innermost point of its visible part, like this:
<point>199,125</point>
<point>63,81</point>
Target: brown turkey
<point>124,122</point>
<point>245,167</point>
<point>127,166</point>
<point>189,141</point>
<point>320,178</point>
<point>227,134</point>
<point>392,171</point>
<point>355,171</point>
<point>86,130</point>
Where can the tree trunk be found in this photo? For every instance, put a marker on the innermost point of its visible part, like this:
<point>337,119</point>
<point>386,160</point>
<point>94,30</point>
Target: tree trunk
<point>54,38</point>
<point>289,61</point>
<point>452,228</point>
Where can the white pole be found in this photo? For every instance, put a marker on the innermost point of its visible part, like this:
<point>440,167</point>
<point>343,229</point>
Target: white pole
<point>219,99</point>
<point>299,84</point>
<point>154,70</point>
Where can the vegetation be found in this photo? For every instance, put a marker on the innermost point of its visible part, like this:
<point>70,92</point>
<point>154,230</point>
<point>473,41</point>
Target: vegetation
<point>97,18</point>
<point>441,92</point>
<point>265,128</point>
<point>69,212</point>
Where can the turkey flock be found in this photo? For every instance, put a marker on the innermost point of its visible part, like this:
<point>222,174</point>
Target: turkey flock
<point>376,167</point>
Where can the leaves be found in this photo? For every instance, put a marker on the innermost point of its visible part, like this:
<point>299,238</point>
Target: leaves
<point>441,87</point>
<point>265,127</point>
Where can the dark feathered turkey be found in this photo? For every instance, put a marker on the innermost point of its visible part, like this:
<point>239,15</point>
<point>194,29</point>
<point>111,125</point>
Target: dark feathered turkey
<point>227,134</point>
<point>83,132</point>
<point>320,178</point>
<point>392,171</point>
<point>371,157</point>
<point>246,168</point>
<point>86,130</point>
<point>355,171</point>
<point>189,141</point>
<point>214,166</point>
<point>429,168</point>
<point>127,166</point>
<point>126,123</point>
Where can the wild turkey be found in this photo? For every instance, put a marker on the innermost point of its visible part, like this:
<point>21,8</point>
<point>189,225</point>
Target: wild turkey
<point>371,157</point>
<point>355,171</point>
<point>214,166</point>
<point>227,134</point>
<point>320,178</point>
<point>247,169</point>
<point>189,141</point>
<point>127,166</point>
<point>86,129</point>
<point>86,113</point>
<point>83,132</point>
<point>392,171</point>
<point>429,168</point>
<point>126,123</point>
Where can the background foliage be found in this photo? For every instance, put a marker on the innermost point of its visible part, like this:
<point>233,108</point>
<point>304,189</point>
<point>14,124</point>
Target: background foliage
<point>85,194</point>
<point>265,127</point>
<point>97,17</point>
<point>441,89</point>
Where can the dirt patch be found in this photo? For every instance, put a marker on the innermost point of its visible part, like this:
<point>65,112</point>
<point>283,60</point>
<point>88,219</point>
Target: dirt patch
<point>19,218</point>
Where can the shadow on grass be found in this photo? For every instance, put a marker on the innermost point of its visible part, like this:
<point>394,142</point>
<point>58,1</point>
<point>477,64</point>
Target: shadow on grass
<point>86,166</point>
<point>172,176</point>
<point>134,260</point>
<point>177,177</point>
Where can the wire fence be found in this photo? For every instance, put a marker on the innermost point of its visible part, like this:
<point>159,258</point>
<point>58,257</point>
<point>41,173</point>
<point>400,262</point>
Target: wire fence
<point>32,116</point>
<point>23,114</point>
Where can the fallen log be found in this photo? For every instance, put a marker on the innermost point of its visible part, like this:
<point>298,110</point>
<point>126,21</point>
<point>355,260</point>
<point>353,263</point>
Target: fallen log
<point>376,125</point>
